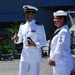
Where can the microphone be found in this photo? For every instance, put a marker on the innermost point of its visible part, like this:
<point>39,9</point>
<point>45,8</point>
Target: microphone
<point>29,40</point>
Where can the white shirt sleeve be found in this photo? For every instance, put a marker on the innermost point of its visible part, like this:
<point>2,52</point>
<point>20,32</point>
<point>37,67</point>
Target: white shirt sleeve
<point>42,37</point>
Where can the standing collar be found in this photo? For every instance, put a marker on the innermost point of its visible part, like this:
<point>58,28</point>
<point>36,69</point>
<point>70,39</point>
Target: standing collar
<point>65,26</point>
<point>33,21</point>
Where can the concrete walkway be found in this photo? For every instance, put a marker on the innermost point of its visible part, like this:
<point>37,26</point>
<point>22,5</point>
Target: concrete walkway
<point>11,67</point>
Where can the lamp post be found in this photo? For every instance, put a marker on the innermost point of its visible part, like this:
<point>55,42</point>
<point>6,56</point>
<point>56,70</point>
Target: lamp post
<point>13,45</point>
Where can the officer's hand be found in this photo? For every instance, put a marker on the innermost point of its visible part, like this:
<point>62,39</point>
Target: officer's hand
<point>51,63</point>
<point>16,37</point>
<point>31,44</point>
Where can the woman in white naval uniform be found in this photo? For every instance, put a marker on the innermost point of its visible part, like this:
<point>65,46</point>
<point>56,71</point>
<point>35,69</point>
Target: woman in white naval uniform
<point>31,53</point>
<point>60,56</point>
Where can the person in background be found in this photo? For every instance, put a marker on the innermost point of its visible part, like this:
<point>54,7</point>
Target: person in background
<point>32,34</point>
<point>60,56</point>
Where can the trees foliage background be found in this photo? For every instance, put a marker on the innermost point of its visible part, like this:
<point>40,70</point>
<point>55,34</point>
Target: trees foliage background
<point>7,34</point>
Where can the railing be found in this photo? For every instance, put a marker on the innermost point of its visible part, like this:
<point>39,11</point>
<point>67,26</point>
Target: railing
<point>72,19</point>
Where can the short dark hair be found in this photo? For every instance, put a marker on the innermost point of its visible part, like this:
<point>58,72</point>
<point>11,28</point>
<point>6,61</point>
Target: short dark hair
<point>65,18</point>
<point>34,12</point>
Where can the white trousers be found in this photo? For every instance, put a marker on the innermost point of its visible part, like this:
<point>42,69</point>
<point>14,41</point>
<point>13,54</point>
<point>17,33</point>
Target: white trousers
<point>62,71</point>
<point>24,68</point>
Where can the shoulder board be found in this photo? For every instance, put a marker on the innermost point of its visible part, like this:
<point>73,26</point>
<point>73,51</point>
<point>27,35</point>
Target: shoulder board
<point>38,23</point>
<point>22,23</point>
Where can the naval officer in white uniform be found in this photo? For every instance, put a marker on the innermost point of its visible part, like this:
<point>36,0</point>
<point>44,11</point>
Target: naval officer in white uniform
<point>60,56</point>
<point>32,34</point>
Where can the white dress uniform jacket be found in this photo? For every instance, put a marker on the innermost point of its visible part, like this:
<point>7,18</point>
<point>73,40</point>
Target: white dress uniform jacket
<point>37,34</point>
<point>60,52</point>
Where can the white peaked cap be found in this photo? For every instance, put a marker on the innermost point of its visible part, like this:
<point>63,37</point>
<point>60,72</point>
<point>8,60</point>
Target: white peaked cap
<point>29,8</point>
<point>60,13</point>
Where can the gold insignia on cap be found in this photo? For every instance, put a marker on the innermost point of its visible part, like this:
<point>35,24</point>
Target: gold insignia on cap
<point>29,8</point>
<point>26,8</point>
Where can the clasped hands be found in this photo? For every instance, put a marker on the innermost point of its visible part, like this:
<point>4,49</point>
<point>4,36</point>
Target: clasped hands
<point>31,44</point>
<point>51,63</point>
